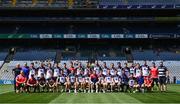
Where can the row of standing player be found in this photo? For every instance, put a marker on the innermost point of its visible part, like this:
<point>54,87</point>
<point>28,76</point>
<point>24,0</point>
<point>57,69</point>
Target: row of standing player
<point>101,78</point>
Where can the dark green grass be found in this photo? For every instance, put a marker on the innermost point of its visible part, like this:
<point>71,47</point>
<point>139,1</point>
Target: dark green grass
<point>172,96</point>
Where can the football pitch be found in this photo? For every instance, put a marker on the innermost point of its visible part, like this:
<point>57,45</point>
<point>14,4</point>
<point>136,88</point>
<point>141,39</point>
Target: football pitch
<point>171,96</point>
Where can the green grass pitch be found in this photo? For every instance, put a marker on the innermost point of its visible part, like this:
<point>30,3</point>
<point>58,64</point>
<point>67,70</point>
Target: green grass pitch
<point>8,96</point>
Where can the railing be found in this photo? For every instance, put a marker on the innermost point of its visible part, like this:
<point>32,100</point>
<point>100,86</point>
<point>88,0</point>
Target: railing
<point>92,3</point>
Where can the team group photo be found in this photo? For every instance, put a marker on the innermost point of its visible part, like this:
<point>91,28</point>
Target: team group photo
<point>91,77</point>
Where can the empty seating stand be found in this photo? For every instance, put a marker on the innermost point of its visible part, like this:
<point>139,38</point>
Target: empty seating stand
<point>35,55</point>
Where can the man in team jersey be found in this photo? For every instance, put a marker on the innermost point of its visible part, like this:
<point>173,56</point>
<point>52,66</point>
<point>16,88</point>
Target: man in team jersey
<point>32,83</point>
<point>97,67</point>
<point>162,74</point>
<point>41,70</point>
<point>132,69</point>
<point>51,85</point>
<point>79,68</point>
<point>21,82</point>
<point>80,80</point>
<point>131,83</point>
<point>108,82</point>
<point>137,70</point>
<point>154,75</point>
<point>60,82</point>
<point>116,81</point>
<point>124,82</point>
<point>25,69</point>
<point>56,71</point>
<point>32,71</point>
<point>49,72</point>
<point>87,69</point>
<point>119,69</point>
<point>72,67</point>
<point>112,69</point>
<point>145,69</point>
<point>104,69</point>
<point>94,80</point>
<point>126,70</point>
<point>72,79</point>
<point>100,81</point>
<point>65,69</point>
<point>87,83</point>
<point>41,83</point>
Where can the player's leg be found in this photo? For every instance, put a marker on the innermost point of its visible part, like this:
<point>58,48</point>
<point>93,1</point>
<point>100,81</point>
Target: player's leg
<point>92,87</point>
<point>76,87</point>
<point>97,87</point>
<point>112,86</point>
<point>164,84</point>
<point>89,87</point>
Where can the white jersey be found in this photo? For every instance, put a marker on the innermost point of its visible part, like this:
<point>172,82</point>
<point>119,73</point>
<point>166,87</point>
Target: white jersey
<point>78,71</point>
<point>97,69</point>
<point>116,79</point>
<point>112,72</point>
<point>131,82</point>
<point>61,79</point>
<point>119,71</point>
<point>48,74</point>
<point>31,72</point>
<point>86,70</point>
<point>145,71</point>
<point>138,72</point>
<point>72,79</point>
<point>104,71</point>
<point>87,79</point>
<point>56,72</point>
<point>132,70</point>
<point>108,79</point>
<point>41,71</point>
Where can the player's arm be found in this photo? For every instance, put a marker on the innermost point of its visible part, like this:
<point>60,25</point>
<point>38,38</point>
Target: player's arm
<point>28,83</point>
<point>167,72</point>
<point>17,80</point>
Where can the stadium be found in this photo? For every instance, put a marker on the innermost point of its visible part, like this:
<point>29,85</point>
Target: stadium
<point>89,51</point>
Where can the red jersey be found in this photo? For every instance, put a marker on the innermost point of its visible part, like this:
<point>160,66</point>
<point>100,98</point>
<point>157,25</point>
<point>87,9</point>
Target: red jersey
<point>20,79</point>
<point>154,72</point>
<point>72,68</point>
<point>32,81</point>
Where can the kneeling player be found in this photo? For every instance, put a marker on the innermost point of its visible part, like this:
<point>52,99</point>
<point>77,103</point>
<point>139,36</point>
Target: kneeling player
<point>148,83</point>
<point>140,84</point>
<point>71,82</point>
<point>41,83</point>
<point>80,81</point>
<point>108,82</point>
<point>94,80</point>
<point>31,83</point>
<point>87,83</point>
<point>51,85</point>
<point>60,82</point>
<point>100,81</point>
<point>131,83</point>
<point>116,81</point>
<point>20,82</point>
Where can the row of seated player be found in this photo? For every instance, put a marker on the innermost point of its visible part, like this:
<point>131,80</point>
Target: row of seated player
<point>150,55</point>
<point>44,29</point>
<point>35,55</point>
<point>139,2</point>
